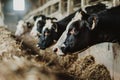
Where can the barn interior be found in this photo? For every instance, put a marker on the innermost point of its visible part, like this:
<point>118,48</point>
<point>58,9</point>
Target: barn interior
<point>21,59</point>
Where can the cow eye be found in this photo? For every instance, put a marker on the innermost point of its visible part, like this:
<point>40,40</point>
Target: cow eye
<point>69,32</point>
<point>76,32</point>
<point>47,32</point>
<point>73,32</point>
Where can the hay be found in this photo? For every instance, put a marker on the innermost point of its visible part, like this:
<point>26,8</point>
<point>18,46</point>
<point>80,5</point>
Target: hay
<point>87,69</point>
<point>8,44</point>
<point>18,63</point>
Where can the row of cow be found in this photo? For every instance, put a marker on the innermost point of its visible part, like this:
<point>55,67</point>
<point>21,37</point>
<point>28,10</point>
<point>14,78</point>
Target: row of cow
<point>78,30</point>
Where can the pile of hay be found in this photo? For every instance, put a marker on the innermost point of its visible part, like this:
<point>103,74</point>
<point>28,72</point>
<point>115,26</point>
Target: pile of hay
<point>87,69</point>
<point>18,64</point>
<point>8,45</point>
<point>84,68</point>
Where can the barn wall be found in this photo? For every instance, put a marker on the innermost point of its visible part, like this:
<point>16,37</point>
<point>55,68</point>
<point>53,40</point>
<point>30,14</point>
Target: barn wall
<point>12,17</point>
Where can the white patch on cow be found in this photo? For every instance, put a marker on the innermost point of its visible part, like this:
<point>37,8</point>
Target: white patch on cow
<point>59,52</point>
<point>48,25</point>
<point>34,29</point>
<point>54,20</point>
<point>60,42</point>
<point>93,25</point>
<point>21,28</point>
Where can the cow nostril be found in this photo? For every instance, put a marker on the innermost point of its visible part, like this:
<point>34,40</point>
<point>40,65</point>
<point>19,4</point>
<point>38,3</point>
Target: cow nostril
<point>56,49</point>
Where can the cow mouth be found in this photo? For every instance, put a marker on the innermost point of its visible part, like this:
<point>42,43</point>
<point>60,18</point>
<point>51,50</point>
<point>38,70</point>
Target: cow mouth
<point>40,47</point>
<point>43,48</point>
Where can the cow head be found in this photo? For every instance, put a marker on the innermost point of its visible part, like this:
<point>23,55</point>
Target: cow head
<point>40,21</point>
<point>79,34</point>
<point>49,33</point>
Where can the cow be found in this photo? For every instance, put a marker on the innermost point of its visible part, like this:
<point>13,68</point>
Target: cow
<point>52,30</point>
<point>26,25</point>
<point>59,44</point>
<point>103,26</point>
<point>23,26</point>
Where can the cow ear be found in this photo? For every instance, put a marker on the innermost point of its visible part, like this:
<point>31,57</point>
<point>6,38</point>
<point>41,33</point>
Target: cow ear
<point>35,17</point>
<point>93,20</point>
<point>54,19</point>
<point>43,17</point>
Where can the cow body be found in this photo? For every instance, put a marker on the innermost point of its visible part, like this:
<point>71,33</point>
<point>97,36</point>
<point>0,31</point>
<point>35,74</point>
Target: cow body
<point>101,27</point>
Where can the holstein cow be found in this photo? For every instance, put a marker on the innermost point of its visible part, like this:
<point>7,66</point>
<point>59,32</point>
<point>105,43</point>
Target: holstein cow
<point>59,44</point>
<point>25,25</point>
<point>100,27</point>
<point>53,30</point>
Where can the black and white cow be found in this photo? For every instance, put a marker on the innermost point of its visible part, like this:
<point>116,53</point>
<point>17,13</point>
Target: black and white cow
<point>32,22</point>
<point>103,26</point>
<point>53,30</point>
<point>59,44</point>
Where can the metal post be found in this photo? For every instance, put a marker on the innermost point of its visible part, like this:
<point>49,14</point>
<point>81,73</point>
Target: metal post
<point>69,6</point>
<point>61,7</point>
<point>116,2</point>
<point>82,3</point>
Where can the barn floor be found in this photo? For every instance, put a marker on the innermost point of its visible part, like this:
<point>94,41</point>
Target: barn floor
<point>21,60</point>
